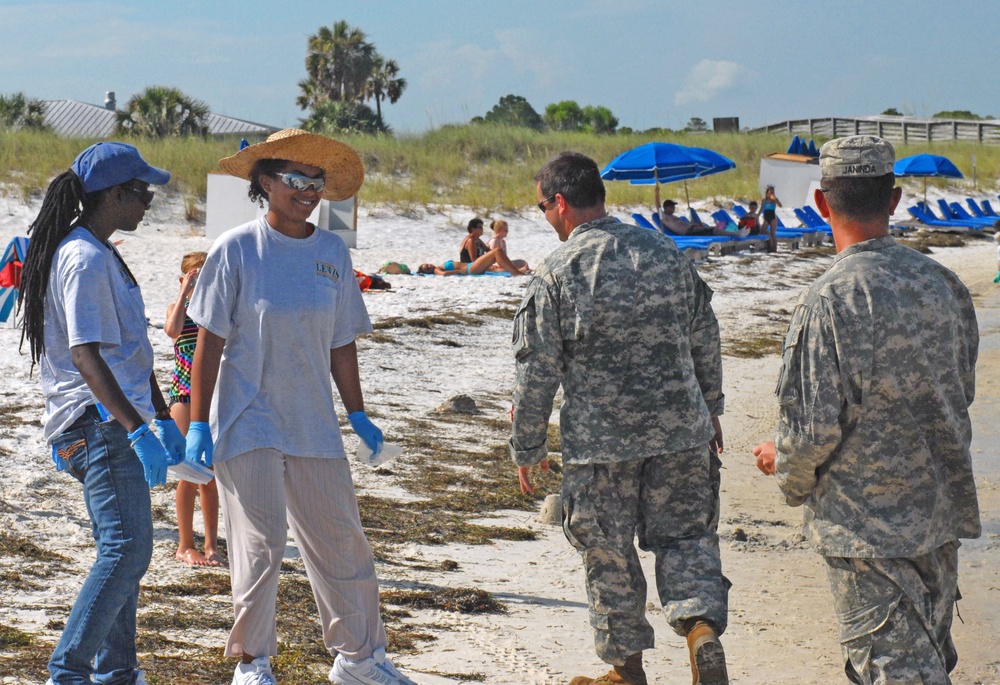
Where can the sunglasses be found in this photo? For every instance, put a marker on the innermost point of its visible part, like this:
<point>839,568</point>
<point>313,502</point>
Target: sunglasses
<point>300,182</point>
<point>144,194</point>
<point>550,198</point>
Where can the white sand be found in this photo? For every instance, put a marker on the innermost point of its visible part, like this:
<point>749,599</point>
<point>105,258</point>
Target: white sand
<point>781,627</point>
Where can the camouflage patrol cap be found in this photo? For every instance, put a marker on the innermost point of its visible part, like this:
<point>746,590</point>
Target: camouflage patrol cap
<point>857,157</point>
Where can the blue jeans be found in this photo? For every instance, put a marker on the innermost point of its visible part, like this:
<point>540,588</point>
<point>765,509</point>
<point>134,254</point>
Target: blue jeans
<point>101,626</point>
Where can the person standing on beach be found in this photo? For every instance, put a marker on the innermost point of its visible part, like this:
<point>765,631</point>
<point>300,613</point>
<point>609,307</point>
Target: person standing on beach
<point>878,372</point>
<point>184,332</point>
<point>85,323</point>
<point>279,310</point>
<point>622,320</point>
<point>769,212</point>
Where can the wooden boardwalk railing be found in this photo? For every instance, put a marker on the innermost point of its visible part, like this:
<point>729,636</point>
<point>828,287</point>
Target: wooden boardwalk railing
<point>896,129</point>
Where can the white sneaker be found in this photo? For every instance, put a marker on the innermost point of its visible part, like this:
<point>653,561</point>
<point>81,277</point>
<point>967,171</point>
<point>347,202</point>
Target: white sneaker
<point>375,670</point>
<point>257,672</point>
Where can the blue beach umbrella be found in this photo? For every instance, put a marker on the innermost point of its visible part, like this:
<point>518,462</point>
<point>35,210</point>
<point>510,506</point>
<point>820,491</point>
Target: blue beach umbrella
<point>656,163</point>
<point>926,166</point>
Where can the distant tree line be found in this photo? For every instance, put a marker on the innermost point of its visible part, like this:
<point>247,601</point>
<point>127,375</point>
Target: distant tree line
<point>947,114</point>
<point>515,110</point>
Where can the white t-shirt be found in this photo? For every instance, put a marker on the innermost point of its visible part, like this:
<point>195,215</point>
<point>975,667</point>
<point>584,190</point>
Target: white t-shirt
<point>281,304</point>
<point>92,298</point>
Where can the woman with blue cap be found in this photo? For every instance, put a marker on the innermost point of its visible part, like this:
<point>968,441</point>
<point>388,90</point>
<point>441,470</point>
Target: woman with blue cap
<point>85,324</point>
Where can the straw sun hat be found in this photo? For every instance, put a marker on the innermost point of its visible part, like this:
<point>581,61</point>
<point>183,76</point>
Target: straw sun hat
<point>341,164</point>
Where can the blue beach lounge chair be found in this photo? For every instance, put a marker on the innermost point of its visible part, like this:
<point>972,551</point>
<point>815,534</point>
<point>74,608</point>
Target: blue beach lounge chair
<point>931,220</point>
<point>958,211</point>
<point>641,220</point>
<point>975,208</point>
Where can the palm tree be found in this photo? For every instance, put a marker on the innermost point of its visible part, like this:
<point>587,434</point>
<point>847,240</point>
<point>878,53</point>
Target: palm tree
<point>159,111</point>
<point>312,95</point>
<point>18,111</point>
<point>383,84</point>
<point>343,117</point>
<point>338,63</point>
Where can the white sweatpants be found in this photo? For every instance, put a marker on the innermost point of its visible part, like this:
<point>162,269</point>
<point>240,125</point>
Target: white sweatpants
<point>255,489</point>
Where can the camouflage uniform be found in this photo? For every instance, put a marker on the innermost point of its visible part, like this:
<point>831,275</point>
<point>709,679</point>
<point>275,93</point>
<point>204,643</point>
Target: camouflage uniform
<point>877,377</point>
<point>623,322</point>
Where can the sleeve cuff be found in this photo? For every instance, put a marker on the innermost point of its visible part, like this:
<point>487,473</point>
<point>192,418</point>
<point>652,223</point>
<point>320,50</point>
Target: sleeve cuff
<point>716,407</point>
<point>528,457</point>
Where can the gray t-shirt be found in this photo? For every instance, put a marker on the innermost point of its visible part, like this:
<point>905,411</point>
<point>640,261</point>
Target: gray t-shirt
<point>281,304</point>
<point>92,297</point>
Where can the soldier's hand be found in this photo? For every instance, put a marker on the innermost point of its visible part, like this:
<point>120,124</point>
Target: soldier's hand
<point>765,453</point>
<point>715,444</point>
<point>524,478</point>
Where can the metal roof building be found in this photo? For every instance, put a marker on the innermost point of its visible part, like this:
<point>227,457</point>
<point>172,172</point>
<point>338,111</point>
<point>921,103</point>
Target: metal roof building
<point>74,119</point>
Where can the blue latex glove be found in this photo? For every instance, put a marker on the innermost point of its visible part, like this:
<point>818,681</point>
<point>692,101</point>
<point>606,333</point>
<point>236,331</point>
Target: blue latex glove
<point>151,454</point>
<point>172,440</point>
<point>366,430</point>
<point>199,443</point>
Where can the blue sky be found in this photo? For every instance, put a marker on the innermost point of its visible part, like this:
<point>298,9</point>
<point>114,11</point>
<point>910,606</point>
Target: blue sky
<point>652,62</point>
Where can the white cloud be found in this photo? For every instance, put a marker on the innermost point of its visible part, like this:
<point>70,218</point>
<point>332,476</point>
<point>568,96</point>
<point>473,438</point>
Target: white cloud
<point>443,64</point>
<point>707,79</point>
<point>530,52</point>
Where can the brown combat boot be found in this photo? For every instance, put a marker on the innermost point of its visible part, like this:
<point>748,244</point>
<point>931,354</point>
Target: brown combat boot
<point>629,674</point>
<point>708,661</point>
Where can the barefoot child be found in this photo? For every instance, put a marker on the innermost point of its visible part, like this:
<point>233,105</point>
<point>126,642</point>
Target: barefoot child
<point>184,333</point>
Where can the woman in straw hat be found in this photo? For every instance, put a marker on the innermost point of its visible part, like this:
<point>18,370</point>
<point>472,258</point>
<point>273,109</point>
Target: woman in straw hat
<point>279,310</point>
<point>85,323</point>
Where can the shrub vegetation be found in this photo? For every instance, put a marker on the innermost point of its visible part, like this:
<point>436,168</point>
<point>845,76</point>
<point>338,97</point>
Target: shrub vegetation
<point>485,167</point>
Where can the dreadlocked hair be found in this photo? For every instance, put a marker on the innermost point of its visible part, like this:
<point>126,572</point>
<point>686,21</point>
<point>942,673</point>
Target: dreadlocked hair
<point>64,204</point>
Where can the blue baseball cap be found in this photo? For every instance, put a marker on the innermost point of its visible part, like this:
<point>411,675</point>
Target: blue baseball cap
<point>107,164</point>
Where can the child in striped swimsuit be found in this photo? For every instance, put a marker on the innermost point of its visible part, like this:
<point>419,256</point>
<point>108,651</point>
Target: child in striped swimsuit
<point>184,332</point>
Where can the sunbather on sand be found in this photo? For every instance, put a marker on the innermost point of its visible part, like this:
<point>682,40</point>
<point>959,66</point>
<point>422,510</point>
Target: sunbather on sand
<point>473,247</point>
<point>677,226</point>
<point>499,241</point>
<point>494,260</point>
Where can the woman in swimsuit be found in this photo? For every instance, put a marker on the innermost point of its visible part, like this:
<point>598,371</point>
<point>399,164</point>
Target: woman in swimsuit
<point>184,332</point>
<point>768,204</point>
<point>499,241</point>
<point>473,247</point>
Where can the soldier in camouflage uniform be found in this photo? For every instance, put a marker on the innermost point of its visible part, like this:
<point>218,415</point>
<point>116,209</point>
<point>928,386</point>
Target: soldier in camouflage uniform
<point>621,319</point>
<point>878,374</point>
